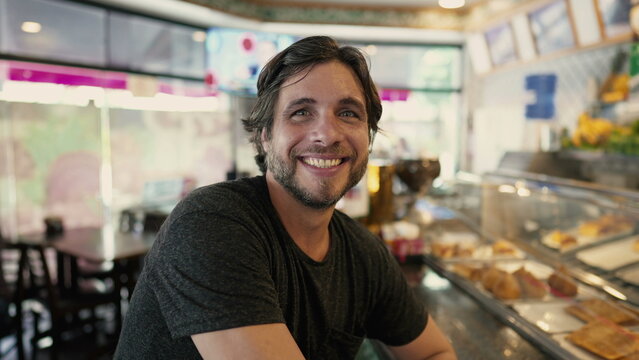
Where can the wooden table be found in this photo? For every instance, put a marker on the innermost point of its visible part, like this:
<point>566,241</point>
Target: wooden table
<point>99,245</point>
<point>96,245</point>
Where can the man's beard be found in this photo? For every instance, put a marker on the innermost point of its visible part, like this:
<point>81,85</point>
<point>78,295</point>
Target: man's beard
<point>284,173</point>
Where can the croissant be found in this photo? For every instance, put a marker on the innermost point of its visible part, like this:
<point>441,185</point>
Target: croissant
<point>562,283</point>
<point>531,286</point>
<point>490,277</point>
<point>507,287</point>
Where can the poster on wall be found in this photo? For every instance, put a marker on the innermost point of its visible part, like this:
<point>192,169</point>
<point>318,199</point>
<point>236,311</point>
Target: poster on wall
<point>614,17</point>
<point>235,57</point>
<point>550,25</point>
<point>501,44</point>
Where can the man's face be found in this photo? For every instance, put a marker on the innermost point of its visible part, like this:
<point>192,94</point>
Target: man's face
<point>318,148</point>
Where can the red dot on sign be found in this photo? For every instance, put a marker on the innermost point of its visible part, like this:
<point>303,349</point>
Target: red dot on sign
<point>210,79</point>
<point>247,44</point>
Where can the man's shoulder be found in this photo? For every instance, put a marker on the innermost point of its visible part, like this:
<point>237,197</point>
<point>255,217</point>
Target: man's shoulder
<point>227,196</point>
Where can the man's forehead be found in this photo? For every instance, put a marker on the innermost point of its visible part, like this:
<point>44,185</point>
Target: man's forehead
<point>304,72</point>
<point>308,91</point>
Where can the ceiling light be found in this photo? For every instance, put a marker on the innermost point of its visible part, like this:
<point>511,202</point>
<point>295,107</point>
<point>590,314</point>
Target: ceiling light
<point>371,50</point>
<point>199,36</point>
<point>451,4</point>
<point>31,27</point>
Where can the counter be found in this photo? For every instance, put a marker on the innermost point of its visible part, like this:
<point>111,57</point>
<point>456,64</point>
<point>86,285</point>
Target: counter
<point>523,216</point>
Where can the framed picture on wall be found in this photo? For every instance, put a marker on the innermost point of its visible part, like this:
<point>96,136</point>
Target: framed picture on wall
<point>615,17</point>
<point>551,27</point>
<point>501,44</point>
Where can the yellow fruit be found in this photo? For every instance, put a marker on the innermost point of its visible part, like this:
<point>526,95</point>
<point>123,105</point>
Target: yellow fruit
<point>593,131</point>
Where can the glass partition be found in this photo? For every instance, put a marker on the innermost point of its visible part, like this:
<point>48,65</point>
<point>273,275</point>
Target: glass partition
<point>84,152</point>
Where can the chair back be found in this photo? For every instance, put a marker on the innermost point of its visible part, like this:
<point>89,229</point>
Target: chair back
<point>11,293</point>
<point>6,295</point>
<point>6,264</point>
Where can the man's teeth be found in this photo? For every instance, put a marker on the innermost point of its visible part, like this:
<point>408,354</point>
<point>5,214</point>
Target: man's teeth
<point>322,163</point>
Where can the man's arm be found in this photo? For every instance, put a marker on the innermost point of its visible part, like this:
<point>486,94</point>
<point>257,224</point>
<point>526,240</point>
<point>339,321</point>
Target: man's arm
<point>431,344</point>
<point>264,342</point>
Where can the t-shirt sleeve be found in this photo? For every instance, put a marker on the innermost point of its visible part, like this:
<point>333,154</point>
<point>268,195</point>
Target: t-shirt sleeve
<point>397,316</point>
<point>212,273</point>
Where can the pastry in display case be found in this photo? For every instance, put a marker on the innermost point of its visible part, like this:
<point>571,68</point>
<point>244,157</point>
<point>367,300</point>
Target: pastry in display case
<point>593,309</point>
<point>603,228</point>
<point>460,246</point>
<point>606,340</point>
<point>555,259</point>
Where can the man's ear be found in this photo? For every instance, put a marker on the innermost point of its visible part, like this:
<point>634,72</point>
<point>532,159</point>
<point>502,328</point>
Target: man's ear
<point>370,144</point>
<point>264,139</point>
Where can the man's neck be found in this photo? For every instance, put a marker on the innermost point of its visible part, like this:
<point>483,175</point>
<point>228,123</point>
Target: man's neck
<point>307,227</point>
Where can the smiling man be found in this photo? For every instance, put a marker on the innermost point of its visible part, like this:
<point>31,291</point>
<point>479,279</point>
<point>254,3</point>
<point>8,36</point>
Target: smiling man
<point>266,268</point>
<point>321,135</point>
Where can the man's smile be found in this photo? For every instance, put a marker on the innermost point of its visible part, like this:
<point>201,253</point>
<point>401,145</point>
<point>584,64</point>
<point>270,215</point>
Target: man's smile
<point>322,163</point>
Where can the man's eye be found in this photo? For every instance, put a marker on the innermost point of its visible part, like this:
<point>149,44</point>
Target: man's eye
<point>300,113</point>
<point>349,113</point>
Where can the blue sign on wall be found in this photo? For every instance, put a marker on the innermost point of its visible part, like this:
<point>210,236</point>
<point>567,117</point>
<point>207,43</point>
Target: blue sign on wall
<point>544,87</point>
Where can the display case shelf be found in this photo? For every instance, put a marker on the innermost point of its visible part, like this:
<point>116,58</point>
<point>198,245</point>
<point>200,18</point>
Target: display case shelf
<point>524,209</point>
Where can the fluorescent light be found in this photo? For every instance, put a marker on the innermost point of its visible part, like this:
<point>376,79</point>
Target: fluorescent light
<point>31,27</point>
<point>451,4</point>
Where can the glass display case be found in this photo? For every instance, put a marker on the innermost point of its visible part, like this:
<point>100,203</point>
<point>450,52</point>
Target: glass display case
<point>556,259</point>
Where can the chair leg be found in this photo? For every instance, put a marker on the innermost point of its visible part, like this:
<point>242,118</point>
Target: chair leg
<point>56,339</point>
<point>20,295</point>
<point>36,335</point>
<point>19,333</point>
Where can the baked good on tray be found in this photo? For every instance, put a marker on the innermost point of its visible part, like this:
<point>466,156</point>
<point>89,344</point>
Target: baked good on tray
<point>507,287</point>
<point>607,340</point>
<point>606,224</point>
<point>562,240</point>
<point>490,277</point>
<point>503,247</point>
<point>592,309</point>
<point>520,284</point>
<point>531,287</point>
<point>562,284</point>
<point>452,250</point>
<point>470,272</point>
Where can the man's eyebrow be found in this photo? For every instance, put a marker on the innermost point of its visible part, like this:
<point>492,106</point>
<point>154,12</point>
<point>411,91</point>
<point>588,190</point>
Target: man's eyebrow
<point>299,101</point>
<point>353,101</point>
<point>306,100</point>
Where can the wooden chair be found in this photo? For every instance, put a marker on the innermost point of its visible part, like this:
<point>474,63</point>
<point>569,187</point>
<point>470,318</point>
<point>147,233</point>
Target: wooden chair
<point>70,312</point>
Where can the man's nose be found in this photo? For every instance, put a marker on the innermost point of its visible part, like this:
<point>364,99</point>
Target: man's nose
<point>327,129</point>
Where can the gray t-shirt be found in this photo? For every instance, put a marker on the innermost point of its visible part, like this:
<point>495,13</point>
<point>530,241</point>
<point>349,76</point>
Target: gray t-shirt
<point>223,259</point>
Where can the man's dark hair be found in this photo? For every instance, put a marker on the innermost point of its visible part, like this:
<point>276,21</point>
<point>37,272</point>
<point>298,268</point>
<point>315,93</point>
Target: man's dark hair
<point>299,56</point>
